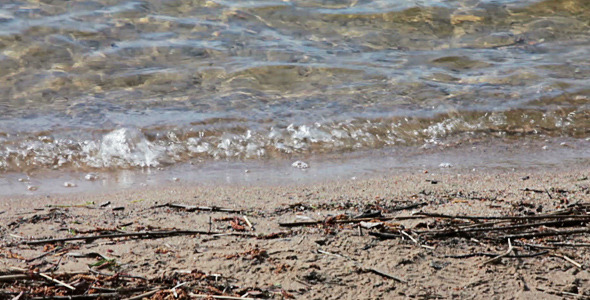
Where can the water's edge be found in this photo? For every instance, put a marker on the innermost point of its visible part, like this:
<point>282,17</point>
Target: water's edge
<point>549,155</point>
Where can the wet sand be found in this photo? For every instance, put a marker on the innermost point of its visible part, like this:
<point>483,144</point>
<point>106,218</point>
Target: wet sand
<point>327,260</point>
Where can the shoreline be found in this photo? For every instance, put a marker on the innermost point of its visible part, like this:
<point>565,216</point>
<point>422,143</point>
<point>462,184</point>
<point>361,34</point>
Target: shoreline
<point>321,261</point>
<point>490,156</point>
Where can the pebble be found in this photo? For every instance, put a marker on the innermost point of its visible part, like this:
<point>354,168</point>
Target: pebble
<point>91,176</point>
<point>300,165</point>
<point>445,165</point>
<point>32,188</point>
<point>69,184</point>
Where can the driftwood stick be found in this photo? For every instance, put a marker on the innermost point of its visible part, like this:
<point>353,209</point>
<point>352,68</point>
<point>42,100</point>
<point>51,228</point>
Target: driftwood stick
<point>500,228</point>
<point>494,255</point>
<point>372,270</point>
<point>409,206</point>
<point>201,208</point>
<point>533,217</point>
<point>146,294</point>
<point>527,235</point>
<point>571,261</point>
<point>218,297</point>
<point>46,277</point>
<point>375,271</point>
<point>248,223</point>
<point>358,220</point>
<point>143,234</point>
<point>570,244</point>
<point>497,258</point>
<point>385,236</point>
<point>87,296</point>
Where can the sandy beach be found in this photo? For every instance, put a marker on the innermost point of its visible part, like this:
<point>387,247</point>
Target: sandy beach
<point>376,238</point>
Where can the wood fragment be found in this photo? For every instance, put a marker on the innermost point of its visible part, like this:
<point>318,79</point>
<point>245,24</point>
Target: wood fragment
<point>17,297</point>
<point>527,235</point>
<point>218,297</point>
<point>367,269</point>
<point>146,294</point>
<point>201,208</point>
<point>385,236</point>
<point>46,277</point>
<point>248,223</point>
<point>571,261</point>
<point>497,258</point>
<point>494,255</point>
<point>143,234</point>
<point>533,217</point>
<point>74,297</point>
<point>310,223</point>
<point>381,273</point>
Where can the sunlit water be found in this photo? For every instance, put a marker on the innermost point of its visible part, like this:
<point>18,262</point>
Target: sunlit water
<point>103,85</point>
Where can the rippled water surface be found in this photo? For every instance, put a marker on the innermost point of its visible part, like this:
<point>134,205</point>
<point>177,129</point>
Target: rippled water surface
<point>88,85</point>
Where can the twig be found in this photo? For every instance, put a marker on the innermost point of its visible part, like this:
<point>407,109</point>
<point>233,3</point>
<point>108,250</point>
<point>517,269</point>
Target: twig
<point>372,270</point>
<point>124,275</point>
<point>218,297</point>
<point>309,223</point>
<point>87,296</point>
<point>23,276</point>
<point>375,271</point>
<point>46,277</point>
<point>143,234</point>
<point>559,293</point>
<point>494,255</point>
<point>44,254</point>
<point>543,234</point>
<point>415,241</point>
<point>571,261</point>
<point>248,223</point>
<point>17,297</point>
<point>482,228</point>
<point>202,208</point>
<point>409,206</point>
<point>533,217</point>
<point>510,248</point>
<point>571,244</point>
<point>384,236</point>
<point>146,294</point>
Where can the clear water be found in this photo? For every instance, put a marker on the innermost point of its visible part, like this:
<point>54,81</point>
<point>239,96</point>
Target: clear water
<point>109,85</point>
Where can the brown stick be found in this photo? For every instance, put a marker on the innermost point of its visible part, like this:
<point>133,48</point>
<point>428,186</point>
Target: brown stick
<point>309,223</point>
<point>535,217</point>
<point>46,277</point>
<point>494,255</point>
<point>143,234</point>
<point>141,296</point>
<point>527,235</point>
<point>481,228</point>
<point>499,257</point>
<point>87,296</point>
<point>218,297</point>
<point>201,208</point>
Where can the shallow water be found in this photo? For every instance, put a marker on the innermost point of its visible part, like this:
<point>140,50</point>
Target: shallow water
<point>110,85</point>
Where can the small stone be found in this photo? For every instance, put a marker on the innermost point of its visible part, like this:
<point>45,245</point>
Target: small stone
<point>445,165</point>
<point>91,176</point>
<point>32,188</point>
<point>300,165</point>
<point>69,184</point>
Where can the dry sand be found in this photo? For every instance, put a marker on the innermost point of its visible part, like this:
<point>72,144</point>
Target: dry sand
<point>323,261</point>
